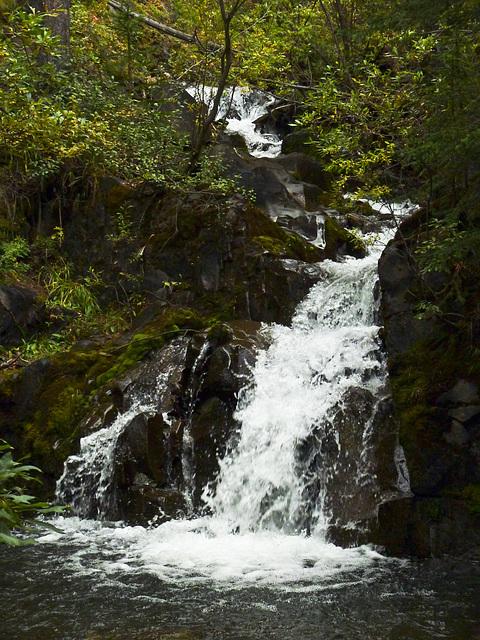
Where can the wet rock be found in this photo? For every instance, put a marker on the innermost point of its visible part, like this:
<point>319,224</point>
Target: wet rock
<point>297,142</point>
<point>306,169</point>
<point>437,407</point>
<point>277,287</point>
<point>163,459</point>
<point>465,414</point>
<point>398,277</point>
<point>353,452</point>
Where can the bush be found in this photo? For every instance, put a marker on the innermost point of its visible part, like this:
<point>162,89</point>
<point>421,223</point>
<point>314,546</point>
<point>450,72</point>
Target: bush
<point>18,510</point>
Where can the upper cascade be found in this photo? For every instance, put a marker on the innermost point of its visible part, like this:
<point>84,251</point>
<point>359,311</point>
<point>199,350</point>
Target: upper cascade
<point>241,107</point>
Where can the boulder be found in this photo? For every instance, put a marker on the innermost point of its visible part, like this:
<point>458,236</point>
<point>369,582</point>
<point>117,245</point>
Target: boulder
<point>436,404</point>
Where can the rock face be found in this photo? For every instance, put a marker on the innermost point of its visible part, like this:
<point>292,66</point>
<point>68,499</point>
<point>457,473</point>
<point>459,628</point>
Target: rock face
<point>435,388</point>
<point>212,268</point>
<point>165,455</point>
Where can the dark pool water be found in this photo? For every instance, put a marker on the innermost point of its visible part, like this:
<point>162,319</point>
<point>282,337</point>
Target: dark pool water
<point>46,594</point>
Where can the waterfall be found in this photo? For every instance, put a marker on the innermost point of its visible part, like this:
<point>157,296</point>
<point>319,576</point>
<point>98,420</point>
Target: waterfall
<point>302,466</point>
<point>307,419</point>
<point>241,108</point>
<point>87,484</point>
<point>302,463</point>
<point>304,457</point>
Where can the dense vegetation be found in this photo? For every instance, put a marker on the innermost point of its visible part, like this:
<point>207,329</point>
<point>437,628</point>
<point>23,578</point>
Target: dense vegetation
<point>18,510</point>
<point>387,90</point>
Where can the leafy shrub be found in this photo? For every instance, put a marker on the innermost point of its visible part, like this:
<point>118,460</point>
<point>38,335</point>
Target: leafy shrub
<point>72,294</point>
<point>13,255</point>
<point>18,510</point>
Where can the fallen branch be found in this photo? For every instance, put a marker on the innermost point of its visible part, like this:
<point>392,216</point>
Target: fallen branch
<point>163,28</point>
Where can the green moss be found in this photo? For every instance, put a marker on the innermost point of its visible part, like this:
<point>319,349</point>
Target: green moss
<point>220,332</point>
<point>288,245</point>
<point>418,377</point>
<point>54,427</point>
<point>7,382</point>
<point>336,237</point>
<point>118,196</point>
<point>273,245</point>
<point>153,337</point>
<point>135,351</point>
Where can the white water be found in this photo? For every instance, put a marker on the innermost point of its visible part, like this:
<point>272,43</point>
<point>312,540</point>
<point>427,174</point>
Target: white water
<point>241,108</point>
<point>300,383</point>
<point>86,484</point>
<point>272,502</point>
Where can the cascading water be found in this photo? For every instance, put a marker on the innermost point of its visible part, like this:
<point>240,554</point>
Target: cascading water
<point>241,108</point>
<point>302,462</point>
<point>87,483</point>
<point>306,422</point>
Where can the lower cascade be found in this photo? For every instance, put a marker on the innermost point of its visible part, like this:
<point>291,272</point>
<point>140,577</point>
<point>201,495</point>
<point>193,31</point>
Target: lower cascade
<point>314,454</point>
<point>305,456</point>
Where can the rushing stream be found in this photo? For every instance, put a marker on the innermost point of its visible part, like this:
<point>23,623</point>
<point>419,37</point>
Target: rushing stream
<point>258,563</point>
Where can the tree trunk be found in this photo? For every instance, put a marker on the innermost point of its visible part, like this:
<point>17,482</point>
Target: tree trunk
<point>59,24</point>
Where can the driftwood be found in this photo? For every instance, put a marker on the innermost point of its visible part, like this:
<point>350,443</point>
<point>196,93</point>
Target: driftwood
<point>163,28</point>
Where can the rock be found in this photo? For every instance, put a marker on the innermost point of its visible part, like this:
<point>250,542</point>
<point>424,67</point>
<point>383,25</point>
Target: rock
<point>464,392</point>
<point>437,407</point>
<point>306,169</point>
<point>457,436</point>
<point>163,460</point>
<point>310,226</point>
<point>465,414</point>
<point>277,287</point>
<point>392,527</point>
<point>397,279</point>
<point>28,385</point>
<point>20,315</point>
<point>296,142</point>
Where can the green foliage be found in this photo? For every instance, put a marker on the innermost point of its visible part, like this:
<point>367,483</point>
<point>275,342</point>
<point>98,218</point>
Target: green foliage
<point>63,291</point>
<point>129,26</point>
<point>45,345</point>
<point>14,255</point>
<point>38,134</point>
<point>361,127</point>
<point>445,247</point>
<point>123,222</point>
<point>18,510</point>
